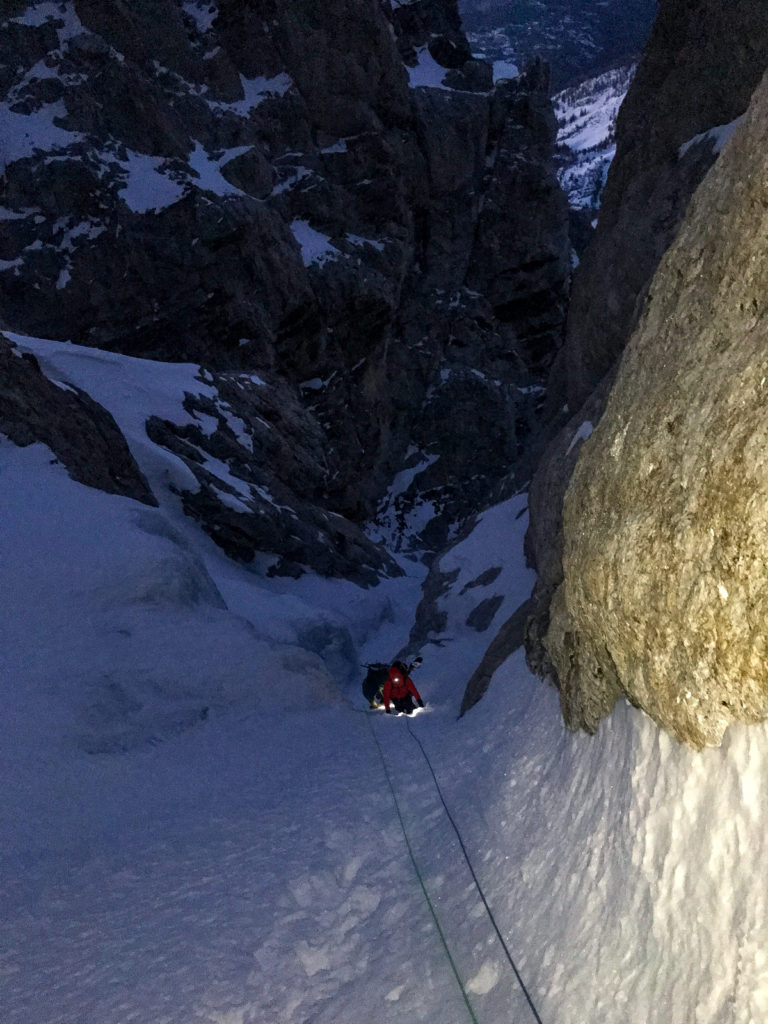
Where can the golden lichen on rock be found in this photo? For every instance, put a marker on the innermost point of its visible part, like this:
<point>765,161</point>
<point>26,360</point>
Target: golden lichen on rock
<point>665,592</point>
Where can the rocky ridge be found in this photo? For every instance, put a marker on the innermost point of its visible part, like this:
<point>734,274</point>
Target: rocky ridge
<point>332,197</point>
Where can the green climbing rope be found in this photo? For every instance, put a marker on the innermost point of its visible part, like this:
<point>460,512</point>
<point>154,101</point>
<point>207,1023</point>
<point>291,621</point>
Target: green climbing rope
<point>419,876</point>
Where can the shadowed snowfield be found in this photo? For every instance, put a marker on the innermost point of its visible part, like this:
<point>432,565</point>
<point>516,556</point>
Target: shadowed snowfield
<point>196,823</point>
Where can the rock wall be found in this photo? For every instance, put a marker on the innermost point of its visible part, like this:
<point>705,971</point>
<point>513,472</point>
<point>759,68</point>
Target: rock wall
<point>81,434</point>
<point>296,190</point>
<point>664,595</point>
<point>701,65</point>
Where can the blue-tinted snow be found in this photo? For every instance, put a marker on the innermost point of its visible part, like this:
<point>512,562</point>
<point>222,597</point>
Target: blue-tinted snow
<point>245,863</point>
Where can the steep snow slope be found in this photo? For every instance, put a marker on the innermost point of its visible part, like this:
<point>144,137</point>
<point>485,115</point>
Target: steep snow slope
<point>247,865</point>
<point>586,116</point>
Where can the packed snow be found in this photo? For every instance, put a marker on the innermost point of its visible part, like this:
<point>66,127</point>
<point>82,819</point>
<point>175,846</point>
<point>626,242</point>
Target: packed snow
<point>427,72</point>
<point>24,135</point>
<point>256,90</point>
<point>61,14</point>
<point>504,69</point>
<point>315,246</point>
<point>197,823</point>
<point>208,169</point>
<point>716,137</point>
<point>202,12</point>
<point>144,187</point>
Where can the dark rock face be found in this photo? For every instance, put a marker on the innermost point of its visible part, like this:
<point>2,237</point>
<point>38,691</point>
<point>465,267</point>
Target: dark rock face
<point>702,63</point>
<point>518,258</point>
<point>508,639</point>
<point>663,595</point>
<point>253,507</point>
<point>80,433</point>
<point>701,66</point>
<point>267,187</point>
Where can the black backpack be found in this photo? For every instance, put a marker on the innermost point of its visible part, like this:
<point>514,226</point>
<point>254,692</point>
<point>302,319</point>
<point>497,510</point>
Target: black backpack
<point>374,681</point>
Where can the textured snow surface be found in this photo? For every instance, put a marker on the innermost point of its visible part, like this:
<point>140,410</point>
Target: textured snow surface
<point>245,864</point>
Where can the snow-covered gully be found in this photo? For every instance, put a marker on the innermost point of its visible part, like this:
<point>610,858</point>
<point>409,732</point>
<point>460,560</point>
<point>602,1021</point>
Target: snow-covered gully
<point>248,866</point>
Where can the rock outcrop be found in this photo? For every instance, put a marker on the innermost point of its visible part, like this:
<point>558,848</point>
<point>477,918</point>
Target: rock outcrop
<point>269,498</point>
<point>299,191</point>
<point>702,63</point>
<point>81,434</point>
<point>665,521</point>
<point>508,639</point>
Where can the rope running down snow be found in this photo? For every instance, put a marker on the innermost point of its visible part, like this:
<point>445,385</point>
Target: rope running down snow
<point>419,876</point>
<point>534,1011</point>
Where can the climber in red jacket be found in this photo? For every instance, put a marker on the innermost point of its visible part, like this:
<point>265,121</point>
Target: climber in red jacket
<point>400,690</point>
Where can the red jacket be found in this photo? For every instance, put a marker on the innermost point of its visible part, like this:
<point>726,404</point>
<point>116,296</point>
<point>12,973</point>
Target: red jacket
<point>397,686</point>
